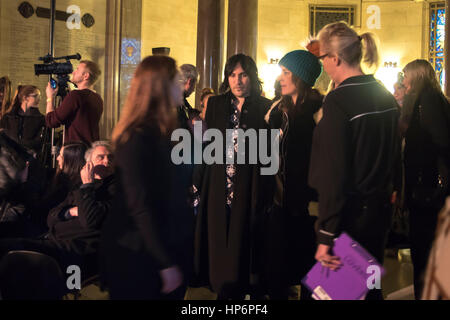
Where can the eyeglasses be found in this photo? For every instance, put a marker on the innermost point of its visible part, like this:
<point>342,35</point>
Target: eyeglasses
<point>322,56</point>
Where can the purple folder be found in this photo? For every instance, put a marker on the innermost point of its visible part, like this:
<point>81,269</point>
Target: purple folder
<point>350,281</point>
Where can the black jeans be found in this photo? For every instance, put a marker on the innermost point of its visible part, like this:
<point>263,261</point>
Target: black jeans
<point>422,221</point>
<point>367,220</point>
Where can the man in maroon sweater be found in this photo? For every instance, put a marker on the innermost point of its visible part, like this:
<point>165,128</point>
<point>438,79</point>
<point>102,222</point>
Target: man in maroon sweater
<point>81,109</point>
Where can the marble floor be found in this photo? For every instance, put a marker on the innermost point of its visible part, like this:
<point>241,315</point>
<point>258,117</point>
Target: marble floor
<point>396,283</point>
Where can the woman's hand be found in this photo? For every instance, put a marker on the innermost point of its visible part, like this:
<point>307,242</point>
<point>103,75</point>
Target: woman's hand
<point>327,260</point>
<point>171,279</point>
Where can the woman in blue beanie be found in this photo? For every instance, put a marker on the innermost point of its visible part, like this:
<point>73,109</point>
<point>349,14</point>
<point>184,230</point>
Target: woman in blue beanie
<point>290,232</point>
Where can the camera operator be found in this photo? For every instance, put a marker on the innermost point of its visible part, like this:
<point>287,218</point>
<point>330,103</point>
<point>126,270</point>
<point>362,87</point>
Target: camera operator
<point>81,109</point>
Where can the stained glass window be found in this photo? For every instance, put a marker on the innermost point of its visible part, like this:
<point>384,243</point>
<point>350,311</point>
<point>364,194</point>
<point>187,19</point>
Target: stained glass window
<point>320,16</point>
<point>437,35</point>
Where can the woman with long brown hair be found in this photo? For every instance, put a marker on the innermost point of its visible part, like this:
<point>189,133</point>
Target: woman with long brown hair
<point>5,95</point>
<point>23,122</point>
<point>146,241</point>
<point>290,226</point>
<point>425,122</point>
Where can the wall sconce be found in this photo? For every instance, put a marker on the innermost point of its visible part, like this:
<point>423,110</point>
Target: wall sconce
<point>390,64</point>
<point>273,61</point>
<point>269,74</point>
<point>163,51</point>
<point>388,74</point>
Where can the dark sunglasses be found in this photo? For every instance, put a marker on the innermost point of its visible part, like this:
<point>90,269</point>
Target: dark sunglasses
<point>322,56</point>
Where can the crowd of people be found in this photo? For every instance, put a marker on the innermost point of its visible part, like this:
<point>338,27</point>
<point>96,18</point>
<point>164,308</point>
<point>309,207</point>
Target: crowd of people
<point>151,228</point>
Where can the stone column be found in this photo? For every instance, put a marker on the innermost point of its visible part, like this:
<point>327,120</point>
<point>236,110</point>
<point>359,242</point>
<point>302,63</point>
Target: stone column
<point>111,104</point>
<point>242,27</point>
<point>208,45</point>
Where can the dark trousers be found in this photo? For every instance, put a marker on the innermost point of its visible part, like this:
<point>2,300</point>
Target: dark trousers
<point>367,221</point>
<point>423,223</point>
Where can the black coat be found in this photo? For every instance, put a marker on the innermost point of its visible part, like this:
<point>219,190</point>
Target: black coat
<point>292,195</point>
<point>225,257</point>
<point>427,148</point>
<point>150,228</point>
<point>26,128</point>
<point>82,234</point>
<point>355,149</point>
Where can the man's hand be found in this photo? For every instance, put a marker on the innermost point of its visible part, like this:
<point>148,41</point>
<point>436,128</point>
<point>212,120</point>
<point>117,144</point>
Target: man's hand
<point>87,173</point>
<point>327,260</point>
<point>50,92</point>
<point>171,279</point>
<point>73,211</point>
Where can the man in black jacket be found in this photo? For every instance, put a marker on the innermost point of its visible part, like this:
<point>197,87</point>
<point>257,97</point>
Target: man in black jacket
<point>230,209</point>
<point>186,113</point>
<point>74,225</point>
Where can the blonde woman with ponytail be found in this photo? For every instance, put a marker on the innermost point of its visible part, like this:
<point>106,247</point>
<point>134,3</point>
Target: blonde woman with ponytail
<point>355,147</point>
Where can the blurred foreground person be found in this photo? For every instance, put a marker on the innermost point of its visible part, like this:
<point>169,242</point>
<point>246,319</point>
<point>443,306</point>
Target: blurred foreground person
<point>437,280</point>
<point>147,240</point>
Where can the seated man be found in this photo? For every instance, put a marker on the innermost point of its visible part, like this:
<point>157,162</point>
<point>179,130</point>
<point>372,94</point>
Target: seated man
<point>74,225</point>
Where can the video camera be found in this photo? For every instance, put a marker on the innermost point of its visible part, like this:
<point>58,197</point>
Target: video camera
<point>60,69</point>
<point>50,66</point>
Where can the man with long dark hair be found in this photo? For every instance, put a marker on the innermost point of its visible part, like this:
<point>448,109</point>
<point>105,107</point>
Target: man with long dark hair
<point>226,239</point>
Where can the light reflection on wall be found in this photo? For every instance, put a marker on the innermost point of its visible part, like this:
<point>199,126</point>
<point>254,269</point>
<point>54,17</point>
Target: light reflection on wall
<point>387,74</point>
<point>269,73</point>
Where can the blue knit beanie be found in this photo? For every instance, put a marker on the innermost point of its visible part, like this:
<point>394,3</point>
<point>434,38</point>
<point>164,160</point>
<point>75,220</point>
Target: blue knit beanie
<point>303,64</point>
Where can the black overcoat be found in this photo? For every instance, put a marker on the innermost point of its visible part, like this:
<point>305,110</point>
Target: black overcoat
<point>226,249</point>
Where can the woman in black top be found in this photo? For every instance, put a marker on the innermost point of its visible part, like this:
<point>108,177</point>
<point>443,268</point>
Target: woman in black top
<point>425,121</point>
<point>23,122</point>
<point>147,240</point>
<point>290,232</point>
